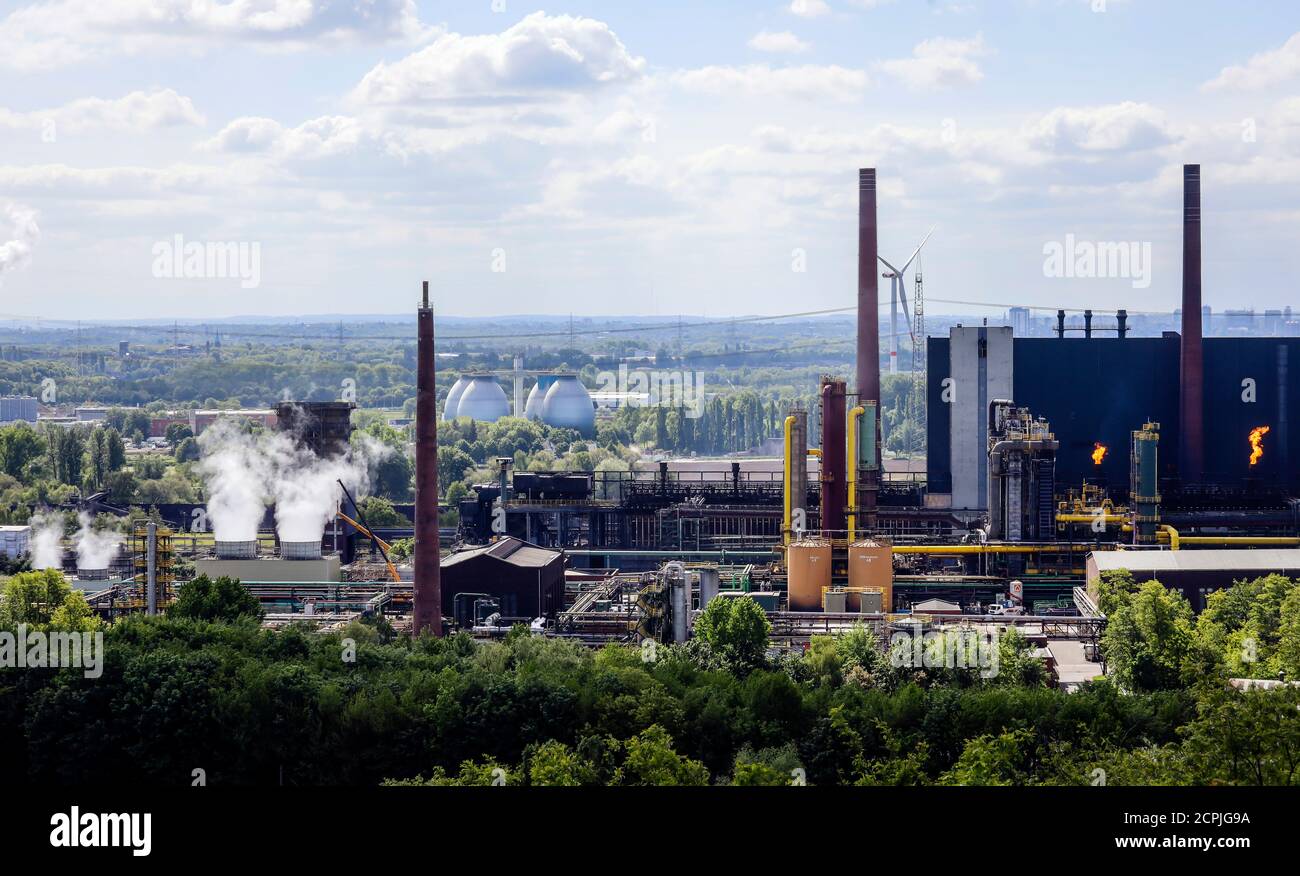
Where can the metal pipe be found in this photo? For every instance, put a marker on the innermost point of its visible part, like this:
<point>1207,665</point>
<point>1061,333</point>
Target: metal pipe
<point>789,455</point>
<point>855,417</point>
<point>1172,534</point>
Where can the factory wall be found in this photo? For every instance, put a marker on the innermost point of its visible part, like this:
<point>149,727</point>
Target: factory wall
<point>1271,363</point>
<point>981,365</point>
<point>1101,389</point>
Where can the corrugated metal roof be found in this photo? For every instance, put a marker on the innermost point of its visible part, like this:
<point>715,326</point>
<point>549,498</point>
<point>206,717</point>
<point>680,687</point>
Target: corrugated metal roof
<point>1262,560</point>
<point>509,550</point>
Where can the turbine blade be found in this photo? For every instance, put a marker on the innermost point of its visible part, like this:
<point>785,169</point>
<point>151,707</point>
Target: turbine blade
<point>917,251</point>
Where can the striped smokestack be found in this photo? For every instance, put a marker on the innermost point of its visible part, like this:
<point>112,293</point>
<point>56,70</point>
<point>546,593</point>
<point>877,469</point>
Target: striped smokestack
<point>1191,463</point>
<point>427,610</point>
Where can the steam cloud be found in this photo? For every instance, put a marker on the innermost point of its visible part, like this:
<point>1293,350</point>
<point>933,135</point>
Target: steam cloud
<point>46,541</point>
<point>244,471</point>
<point>17,252</point>
<point>96,548</point>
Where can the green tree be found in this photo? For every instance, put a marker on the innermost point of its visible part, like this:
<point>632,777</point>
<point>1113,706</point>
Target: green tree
<point>224,599</point>
<point>651,760</point>
<point>1148,637</point>
<point>737,629</point>
<point>44,599</point>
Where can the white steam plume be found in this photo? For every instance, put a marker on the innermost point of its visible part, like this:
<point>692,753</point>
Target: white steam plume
<point>236,471</point>
<point>96,548</point>
<point>16,252</point>
<point>47,541</point>
<point>243,472</point>
<point>306,487</point>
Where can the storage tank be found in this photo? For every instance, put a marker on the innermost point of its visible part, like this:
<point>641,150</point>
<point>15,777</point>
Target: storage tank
<point>808,567</point>
<point>453,398</point>
<point>568,405</point>
<point>871,566</point>
<point>483,400</point>
<point>536,395</point>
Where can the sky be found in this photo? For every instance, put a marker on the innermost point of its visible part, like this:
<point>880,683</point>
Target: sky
<point>632,158</point>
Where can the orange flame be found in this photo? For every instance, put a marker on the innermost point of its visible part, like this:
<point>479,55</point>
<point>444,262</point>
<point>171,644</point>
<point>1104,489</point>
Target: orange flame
<point>1257,443</point>
<point>1098,453</point>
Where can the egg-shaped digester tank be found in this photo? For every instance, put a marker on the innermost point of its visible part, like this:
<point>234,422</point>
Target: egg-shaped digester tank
<point>453,398</point>
<point>483,400</point>
<point>537,395</point>
<point>568,406</point>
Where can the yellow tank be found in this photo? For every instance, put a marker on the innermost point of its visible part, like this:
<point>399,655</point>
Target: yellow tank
<point>871,567</point>
<point>808,565</point>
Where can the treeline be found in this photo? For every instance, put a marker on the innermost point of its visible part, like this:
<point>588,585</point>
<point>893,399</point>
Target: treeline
<point>213,691</point>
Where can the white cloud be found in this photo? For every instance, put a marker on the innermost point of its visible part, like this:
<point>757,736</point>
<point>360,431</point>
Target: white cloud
<point>809,81</point>
<point>939,63</point>
<point>139,110</point>
<point>541,54</point>
<point>56,33</point>
<point>783,42</point>
<point>1263,70</point>
<point>809,8</point>
<point>1121,127</point>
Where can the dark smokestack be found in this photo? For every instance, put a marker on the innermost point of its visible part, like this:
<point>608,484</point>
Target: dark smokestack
<point>427,611</point>
<point>834,475</point>
<point>868,358</point>
<point>1121,323</point>
<point>1087,323</point>
<point>1191,379</point>
<point>1060,323</point>
<point>868,363</point>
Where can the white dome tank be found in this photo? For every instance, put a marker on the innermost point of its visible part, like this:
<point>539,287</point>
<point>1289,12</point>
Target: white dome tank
<point>537,395</point>
<point>453,398</point>
<point>568,405</point>
<point>483,400</point>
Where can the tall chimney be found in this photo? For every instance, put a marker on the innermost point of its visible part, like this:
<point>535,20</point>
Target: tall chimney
<point>868,358</point>
<point>427,610</point>
<point>1191,463</point>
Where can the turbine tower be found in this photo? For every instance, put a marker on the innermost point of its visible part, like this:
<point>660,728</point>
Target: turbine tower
<point>897,296</point>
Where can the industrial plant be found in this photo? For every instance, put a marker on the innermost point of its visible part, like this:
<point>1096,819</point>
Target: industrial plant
<point>1050,461</point>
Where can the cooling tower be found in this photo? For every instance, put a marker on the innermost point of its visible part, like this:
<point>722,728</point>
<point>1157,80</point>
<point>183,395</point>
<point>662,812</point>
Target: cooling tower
<point>237,550</point>
<point>453,398</point>
<point>568,406</point>
<point>300,550</point>
<point>483,400</point>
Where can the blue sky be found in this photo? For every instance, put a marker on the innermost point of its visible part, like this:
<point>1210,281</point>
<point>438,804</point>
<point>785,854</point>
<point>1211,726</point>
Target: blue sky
<point>634,158</point>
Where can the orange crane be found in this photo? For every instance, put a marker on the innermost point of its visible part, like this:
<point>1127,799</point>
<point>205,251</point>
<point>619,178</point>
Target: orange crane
<point>384,547</point>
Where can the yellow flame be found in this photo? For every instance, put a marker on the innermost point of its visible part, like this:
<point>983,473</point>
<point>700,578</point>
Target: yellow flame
<point>1098,453</point>
<point>1257,443</point>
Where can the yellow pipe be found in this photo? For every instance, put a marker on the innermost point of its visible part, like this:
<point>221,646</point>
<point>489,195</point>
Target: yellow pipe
<point>1237,539</point>
<point>852,456</point>
<point>785,529</point>
<point>1111,519</point>
<point>815,451</point>
<point>1173,535</point>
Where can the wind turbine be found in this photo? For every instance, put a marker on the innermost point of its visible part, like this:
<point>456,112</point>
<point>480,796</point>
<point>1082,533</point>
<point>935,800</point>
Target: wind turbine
<point>897,296</point>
